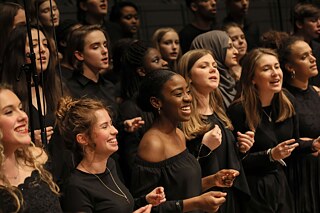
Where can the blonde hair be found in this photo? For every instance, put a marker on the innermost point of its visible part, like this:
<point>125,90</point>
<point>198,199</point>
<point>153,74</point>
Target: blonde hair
<point>26,156</point>
<point>249,94</point>
<point>196,125</point>
<point>156,38</point>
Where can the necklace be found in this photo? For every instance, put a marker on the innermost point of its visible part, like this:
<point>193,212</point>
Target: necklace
<point>269,116</point>
<point>117,193</point>
<point>15,177</point>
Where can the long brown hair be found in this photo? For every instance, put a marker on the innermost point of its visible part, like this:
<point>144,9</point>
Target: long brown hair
<point>249,94</point>
<point>196,125</point>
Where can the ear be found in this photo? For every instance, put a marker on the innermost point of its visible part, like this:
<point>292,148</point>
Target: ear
<point>83,6</point>
<point>78,55</point>
<point>299,25</point>
<point>193,7</point>
<point>155,102</point>
<point>141,71</point>
<point>288,67</point>
<point>82,139</point>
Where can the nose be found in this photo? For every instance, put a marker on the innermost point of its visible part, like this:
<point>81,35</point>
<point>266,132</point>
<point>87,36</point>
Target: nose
<point>213,2</point>
<point>312,58</point>
<point>114,131</point>
<point>23,116</point>
<point>187,97</point>
<point>164,63</point>
<point>235,51</point>
<point>244,2</point>
<point>104,50</point>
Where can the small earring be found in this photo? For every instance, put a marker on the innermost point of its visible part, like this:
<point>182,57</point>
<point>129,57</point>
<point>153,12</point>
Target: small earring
<point>293,74</point>
<point>159,110</point>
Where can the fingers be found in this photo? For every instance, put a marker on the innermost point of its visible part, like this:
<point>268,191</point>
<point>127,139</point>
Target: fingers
<point>245,141</point>
<point>144,209</point>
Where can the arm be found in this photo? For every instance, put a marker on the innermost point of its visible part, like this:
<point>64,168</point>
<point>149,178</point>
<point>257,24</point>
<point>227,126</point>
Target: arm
<point>75,200</point>
<point>223,178</point>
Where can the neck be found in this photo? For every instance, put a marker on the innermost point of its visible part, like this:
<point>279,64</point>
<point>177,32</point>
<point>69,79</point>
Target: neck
<point>94,19</point>
<point>94,164</point>
<point>305,37</point>
<point>204,107</point>
<point>302,84</point>
<point>266,99</point>
<point>166,124</point>
<point>202,24</point>
<point>87,72</point>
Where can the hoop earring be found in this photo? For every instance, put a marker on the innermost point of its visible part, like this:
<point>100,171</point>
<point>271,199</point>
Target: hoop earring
<point>293,74</point>
<point>159,110</point>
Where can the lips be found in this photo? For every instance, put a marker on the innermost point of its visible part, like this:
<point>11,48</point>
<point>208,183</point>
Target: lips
<point>22,129</point>
<point>186,109</point>
<point>113,141</point>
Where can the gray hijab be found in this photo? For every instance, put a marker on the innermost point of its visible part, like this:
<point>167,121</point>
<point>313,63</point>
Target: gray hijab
<point>217,41</point>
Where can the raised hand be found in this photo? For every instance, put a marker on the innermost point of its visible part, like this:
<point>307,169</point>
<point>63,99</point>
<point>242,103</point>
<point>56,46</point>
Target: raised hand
<point>283,149</point>
<point>225,177</point>
<point>37,135</point>
<point>212,139</point>
<point>245,141</point>
<point>211,201</point>
<point>132,125</point>
<point>145,209</point>
<point>156,196</point>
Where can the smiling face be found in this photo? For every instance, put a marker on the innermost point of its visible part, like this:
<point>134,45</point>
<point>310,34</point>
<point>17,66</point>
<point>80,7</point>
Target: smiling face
<point>267,76</point>
<point>104,134</point>
<point>95,52</point>
<point>45,14</point>
<point>129,20</point>
<point>302,61</point>
<point>13,121</point>
<point>170,46</point>
<point>239,40</point>
<point>205,75</point>
<point>176,99</point>
<point>40,48</point>
<point>231,55</point>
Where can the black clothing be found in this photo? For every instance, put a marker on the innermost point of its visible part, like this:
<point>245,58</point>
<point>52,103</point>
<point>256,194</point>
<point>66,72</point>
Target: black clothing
<point>103,90</point>
<point>180,176</point>
<point>304,173</point>
<point>37,197</point>
<point>129,141</point>
<point>84,192</point>
<point>225,156</point>
<point>267,180</point>
<point>187,34</point>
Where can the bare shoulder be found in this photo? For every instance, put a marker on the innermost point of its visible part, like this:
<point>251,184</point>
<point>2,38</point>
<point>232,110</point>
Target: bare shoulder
<point>39,154</point>
<point>151,147</point>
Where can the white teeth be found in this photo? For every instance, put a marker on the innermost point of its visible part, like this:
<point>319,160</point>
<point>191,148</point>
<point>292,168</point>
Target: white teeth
<point>113,141</point>
<point>21,129</point>
<point>186,108</point>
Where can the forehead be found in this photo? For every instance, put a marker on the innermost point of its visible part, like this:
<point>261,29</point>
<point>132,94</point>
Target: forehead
<point>299,47</point>
<point>151,52</point>
<point>234,30</point>
<point>128,9</point>
<point>170,35</point>
<point>267,59</point>
<point>7,98</point>
<point>175,82</point>
<point>207,57</point>
<point>94,36</point>
<point>102,116</point>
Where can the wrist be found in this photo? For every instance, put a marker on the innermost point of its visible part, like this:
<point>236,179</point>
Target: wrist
<point>269,153</point>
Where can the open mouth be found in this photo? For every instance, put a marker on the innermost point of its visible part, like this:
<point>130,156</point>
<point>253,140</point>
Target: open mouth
<point>23,129</point>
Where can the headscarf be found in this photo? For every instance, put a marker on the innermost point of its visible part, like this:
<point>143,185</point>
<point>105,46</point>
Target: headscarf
<point>218,41</point>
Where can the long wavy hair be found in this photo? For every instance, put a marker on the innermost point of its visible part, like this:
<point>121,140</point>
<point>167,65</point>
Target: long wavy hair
<point>249,96</point>
<point>25,155</point>
<point>196,125</point>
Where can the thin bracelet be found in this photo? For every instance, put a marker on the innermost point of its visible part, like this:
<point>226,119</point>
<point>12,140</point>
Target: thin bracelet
<point>200,151</point>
